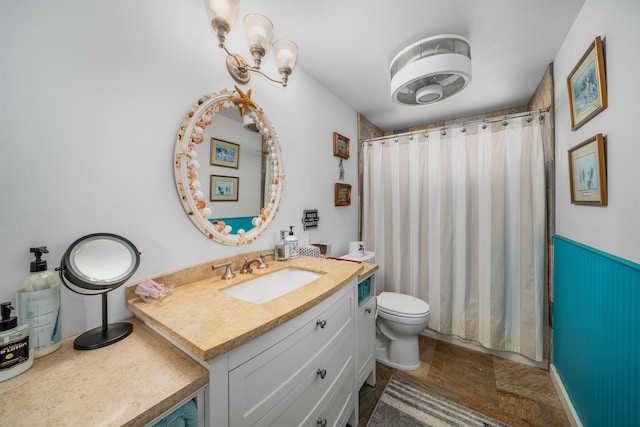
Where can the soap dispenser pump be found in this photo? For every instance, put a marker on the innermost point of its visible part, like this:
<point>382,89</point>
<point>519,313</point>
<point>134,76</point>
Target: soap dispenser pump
<point>293,243</point>
<point>38,302</point>
<point>16,351</point>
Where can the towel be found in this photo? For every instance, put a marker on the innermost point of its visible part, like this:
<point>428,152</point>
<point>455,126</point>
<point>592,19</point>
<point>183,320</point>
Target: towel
<point>184,416</point>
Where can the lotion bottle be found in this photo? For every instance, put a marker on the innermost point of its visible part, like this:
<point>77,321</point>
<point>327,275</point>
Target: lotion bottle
<point>293,243</point>
<point>16,351</point>
<point>38,301</point>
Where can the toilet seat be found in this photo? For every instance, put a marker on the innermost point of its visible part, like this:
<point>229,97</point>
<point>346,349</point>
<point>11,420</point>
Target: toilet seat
<point>401,305</point>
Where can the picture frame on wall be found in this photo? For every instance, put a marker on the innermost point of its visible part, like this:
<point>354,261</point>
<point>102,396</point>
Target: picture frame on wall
<point>224,153</point>
<point>224,188</point>
<point>340,146</point>
<point>342,194</point>
<point>587,85</point>
<point>588,172</point>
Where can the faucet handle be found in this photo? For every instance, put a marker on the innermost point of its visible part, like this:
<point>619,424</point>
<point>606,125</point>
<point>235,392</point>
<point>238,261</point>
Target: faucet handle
<point>263,264</point>
<point>228,272</point>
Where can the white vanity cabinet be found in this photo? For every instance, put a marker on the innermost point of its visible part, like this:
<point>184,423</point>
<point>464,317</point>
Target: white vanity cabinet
<point>302,372</point>
<point>366,332</point>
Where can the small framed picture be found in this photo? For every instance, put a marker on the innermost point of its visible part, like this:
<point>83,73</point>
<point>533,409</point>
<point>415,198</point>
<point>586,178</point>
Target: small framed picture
<point>224,188</point>
<point>343,194</point>
<point>340,146</point>
<point>587,86</point>
<point>588,172</point>
<point>224,153</point>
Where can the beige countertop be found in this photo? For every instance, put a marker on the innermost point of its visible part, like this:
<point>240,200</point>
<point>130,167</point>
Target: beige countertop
<point>128,383</point>
<point>207,322</point>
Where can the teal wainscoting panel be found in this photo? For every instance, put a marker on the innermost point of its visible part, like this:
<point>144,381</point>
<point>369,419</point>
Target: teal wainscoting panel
<point>596,328</point>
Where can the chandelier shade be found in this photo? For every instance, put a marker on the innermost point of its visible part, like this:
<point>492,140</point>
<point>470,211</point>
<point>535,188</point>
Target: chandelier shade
<point>259,31</point>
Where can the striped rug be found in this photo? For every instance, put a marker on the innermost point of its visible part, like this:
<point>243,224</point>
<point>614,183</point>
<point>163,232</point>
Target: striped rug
<point>402,404</point>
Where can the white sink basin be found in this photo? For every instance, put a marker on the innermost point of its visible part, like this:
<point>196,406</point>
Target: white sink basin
<point>273,285</point>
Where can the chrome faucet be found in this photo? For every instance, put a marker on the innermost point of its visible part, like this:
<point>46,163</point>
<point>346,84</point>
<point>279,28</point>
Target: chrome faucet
<point>262,264</point>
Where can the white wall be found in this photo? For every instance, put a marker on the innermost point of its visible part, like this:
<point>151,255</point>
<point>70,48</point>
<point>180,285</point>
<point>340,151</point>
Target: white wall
<point>616,228</point>
<point>92,94</point>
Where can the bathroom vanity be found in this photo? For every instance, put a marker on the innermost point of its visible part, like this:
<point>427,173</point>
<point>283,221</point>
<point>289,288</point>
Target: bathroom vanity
<point>287,361</point>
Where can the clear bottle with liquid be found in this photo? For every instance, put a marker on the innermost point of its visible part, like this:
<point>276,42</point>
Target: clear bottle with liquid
<point>282,248</point>
<point>38,302</point>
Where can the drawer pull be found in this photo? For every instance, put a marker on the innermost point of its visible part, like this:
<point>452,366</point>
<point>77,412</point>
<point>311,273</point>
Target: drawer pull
<point>368,309</point>
<point>321,372</point>
<point>322,422</point>
<point>321,323</point>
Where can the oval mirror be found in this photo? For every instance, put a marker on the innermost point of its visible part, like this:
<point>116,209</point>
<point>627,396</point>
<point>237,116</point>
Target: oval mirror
<point>228,167</point>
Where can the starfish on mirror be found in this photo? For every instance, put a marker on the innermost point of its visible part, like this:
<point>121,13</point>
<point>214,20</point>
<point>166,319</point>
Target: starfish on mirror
<point>243,101</point>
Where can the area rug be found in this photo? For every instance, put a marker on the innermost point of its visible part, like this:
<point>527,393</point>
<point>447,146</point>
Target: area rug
<point>402,404</point>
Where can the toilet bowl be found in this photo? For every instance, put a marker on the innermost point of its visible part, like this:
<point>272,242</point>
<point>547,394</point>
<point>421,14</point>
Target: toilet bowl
<point>400,319</point>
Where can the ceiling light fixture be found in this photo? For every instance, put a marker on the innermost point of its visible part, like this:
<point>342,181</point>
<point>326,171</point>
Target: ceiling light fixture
<point>259,30</point>
<point>431,70</point>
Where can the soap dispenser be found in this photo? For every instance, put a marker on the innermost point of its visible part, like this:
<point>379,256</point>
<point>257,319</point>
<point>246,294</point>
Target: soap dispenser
<point>38,302</point>
<point>293,243</point>
<point>16,351</point>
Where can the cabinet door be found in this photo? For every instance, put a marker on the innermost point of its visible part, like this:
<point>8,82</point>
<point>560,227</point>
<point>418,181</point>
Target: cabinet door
<point>366,335</point>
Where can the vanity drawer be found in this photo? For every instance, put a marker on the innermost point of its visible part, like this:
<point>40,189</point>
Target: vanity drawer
<point>335,410</point>
<point>263,382</point>
<point>312,395</point>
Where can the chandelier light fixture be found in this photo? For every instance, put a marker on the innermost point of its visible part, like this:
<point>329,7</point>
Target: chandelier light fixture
<point>259,31</point>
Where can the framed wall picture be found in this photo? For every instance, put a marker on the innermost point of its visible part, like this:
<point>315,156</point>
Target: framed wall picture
<point>340,146</point>
<point>224,188</point>
<point>587,86</point>
<point>343,194</point>
<point>588,172</point>
<point>224,153</point>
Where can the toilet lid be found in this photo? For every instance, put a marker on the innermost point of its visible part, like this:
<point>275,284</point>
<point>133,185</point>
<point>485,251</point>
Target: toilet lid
<point>402,305</point>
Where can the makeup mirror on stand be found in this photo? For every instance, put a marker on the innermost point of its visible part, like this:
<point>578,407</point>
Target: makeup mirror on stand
<point>96,264</point>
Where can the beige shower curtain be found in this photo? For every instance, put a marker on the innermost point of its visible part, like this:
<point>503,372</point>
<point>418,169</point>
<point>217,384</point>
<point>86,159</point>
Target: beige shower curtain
<point>457,218</point>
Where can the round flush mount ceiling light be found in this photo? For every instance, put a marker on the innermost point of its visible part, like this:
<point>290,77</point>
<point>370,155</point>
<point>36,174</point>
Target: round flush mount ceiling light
<point>431,70</point>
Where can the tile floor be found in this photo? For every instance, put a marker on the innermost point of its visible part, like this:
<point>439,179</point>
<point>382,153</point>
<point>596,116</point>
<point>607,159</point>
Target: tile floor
<point>511,392</point>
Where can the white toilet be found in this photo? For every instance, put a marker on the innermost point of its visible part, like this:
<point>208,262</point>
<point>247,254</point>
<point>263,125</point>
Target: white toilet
<point>399,320</point>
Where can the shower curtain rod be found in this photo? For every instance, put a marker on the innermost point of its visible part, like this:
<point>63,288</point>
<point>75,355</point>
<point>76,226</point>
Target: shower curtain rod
<point>463,124</point>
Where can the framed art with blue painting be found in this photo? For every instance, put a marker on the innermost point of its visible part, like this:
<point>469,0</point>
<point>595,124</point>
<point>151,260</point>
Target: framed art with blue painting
<point>224,153</point>
<point>588,172</point>
<point>340,146</point>
<point>587,85</point>
<point>224,188</point>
